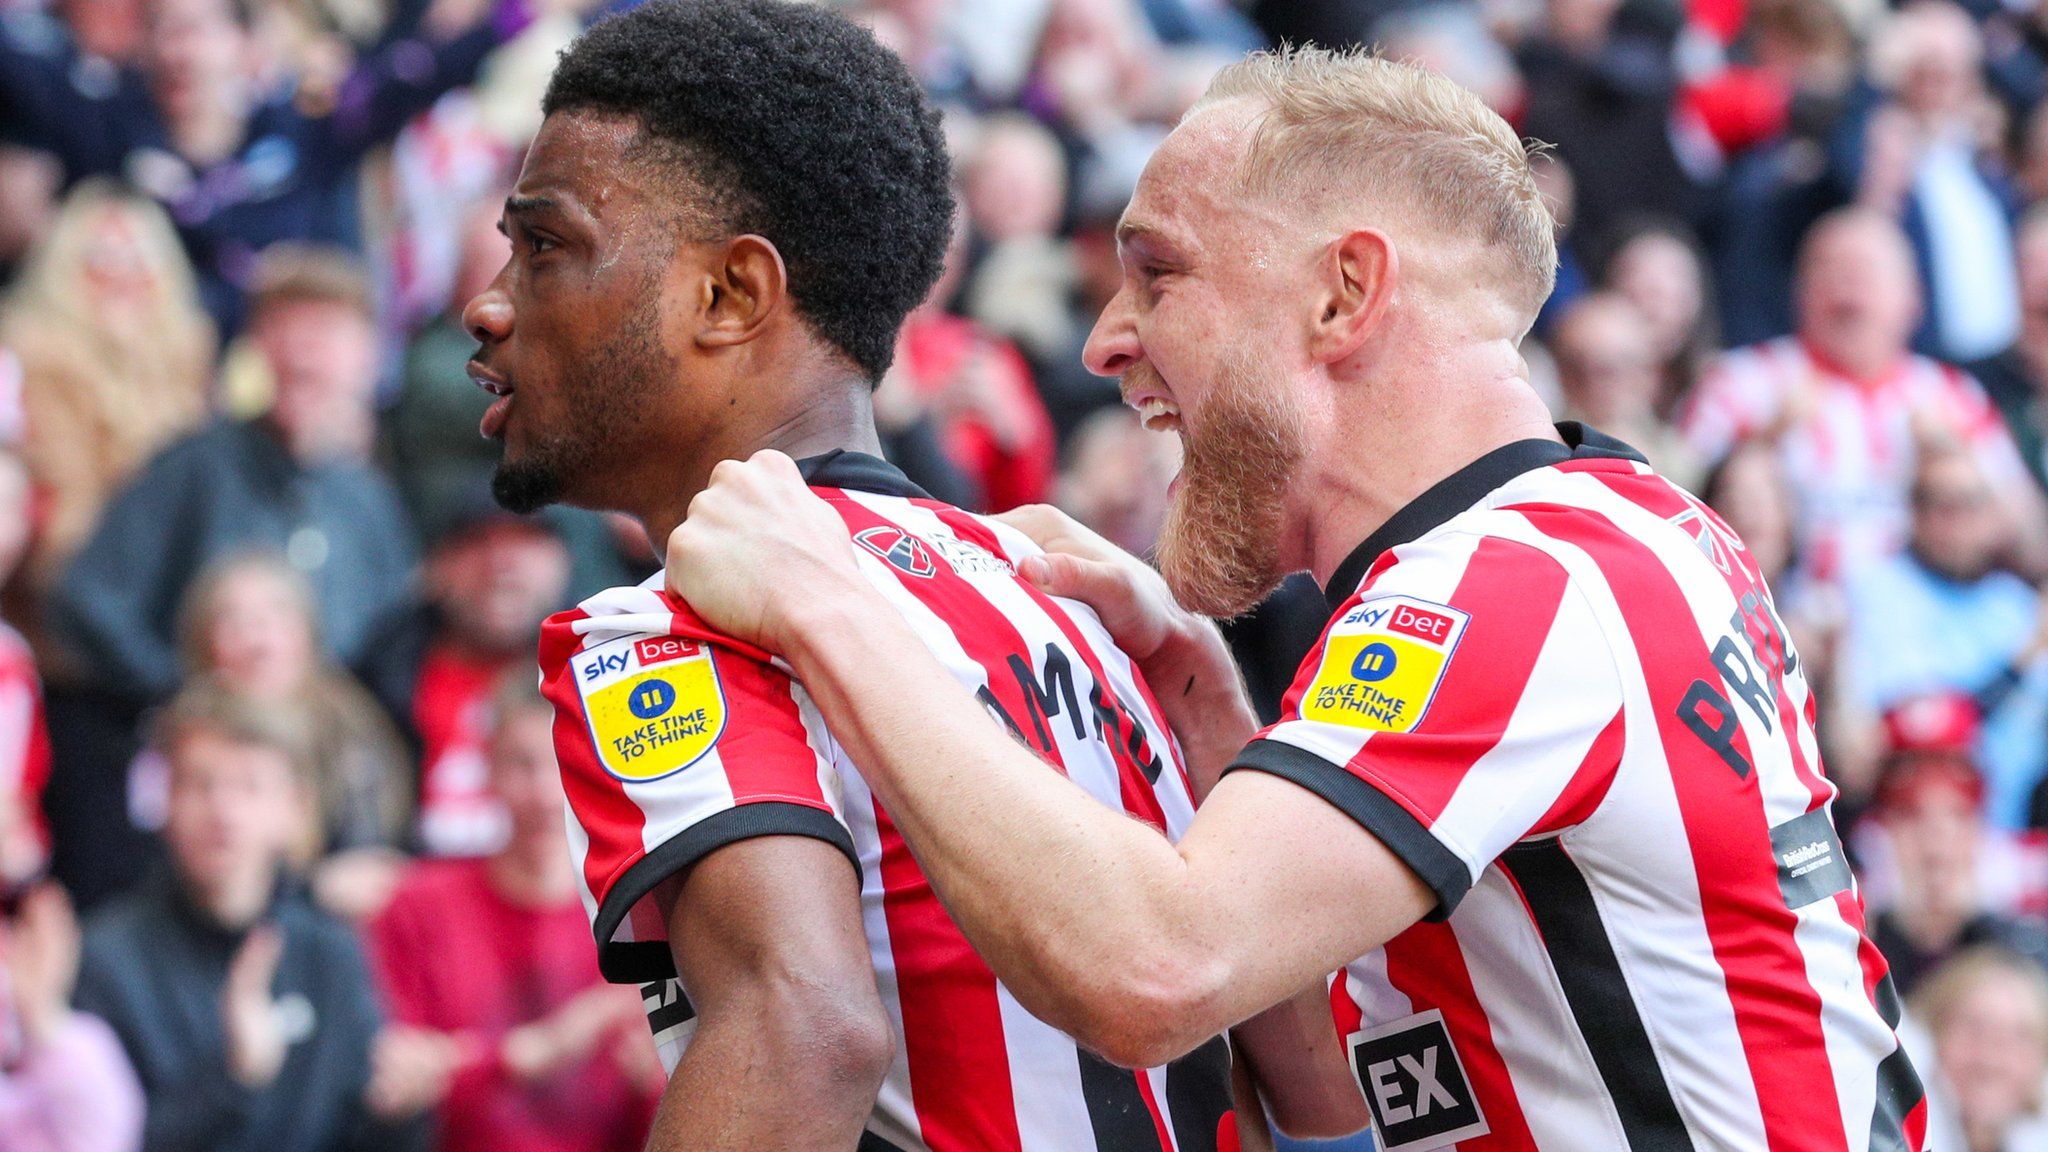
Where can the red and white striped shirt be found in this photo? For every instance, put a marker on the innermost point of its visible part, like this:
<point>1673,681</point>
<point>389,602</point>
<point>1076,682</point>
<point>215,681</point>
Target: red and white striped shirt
<point>1557,687</point>
<point>675,741</point>
<point>1848,447</point>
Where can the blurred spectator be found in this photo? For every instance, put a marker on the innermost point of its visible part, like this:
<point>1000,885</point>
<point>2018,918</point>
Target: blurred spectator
<point>911,441</point>
<point>2017,378</point>
<point>1116,477</point>
<point>1607,366</point>
<point>239,163</point>
<point>248,628</point>
<point>1014,191</point>
<point>437,454</point>
<point>24,737</point>
<point>1773,191</point>
<point>491,980</point>
<point>978,390</point>
<point>1603,90</point>
<point>249,1015</point>
<point>1847,405</point>
<point>489,580</point>
<point>1071,392</point>
<point>1930,805</point>
<point>65,1085</point>
<point>1658,267</point>
<point>1945,616</point>
<point>1986,1019</point>
<point>1934,163</point>
<point>1560,191</point>
<point>296,480</point>
<point>1747,489</point>
<point>116,356</point>
<point>29,183</point>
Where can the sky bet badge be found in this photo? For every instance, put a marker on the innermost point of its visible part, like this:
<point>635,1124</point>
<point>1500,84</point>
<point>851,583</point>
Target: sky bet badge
<point>1383,664</point>
<point>653,704</point>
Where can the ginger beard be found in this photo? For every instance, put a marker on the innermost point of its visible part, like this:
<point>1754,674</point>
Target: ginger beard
<point>1219,546</point>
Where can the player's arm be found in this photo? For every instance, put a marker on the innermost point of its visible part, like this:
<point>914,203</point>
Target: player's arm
<point>1289,1051</point>
<point>1183,657</point>
<point>1136,947</point>
<point>718,857</point>
<point>1100,926</point>
<point>792,1042</point>
<point>1318,853</point>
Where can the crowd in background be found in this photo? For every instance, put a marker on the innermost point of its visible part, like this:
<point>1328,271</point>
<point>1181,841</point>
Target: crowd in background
<point>281,858</point>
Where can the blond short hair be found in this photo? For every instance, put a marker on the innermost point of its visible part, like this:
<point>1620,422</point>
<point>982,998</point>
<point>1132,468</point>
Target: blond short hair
<point>1402,132</point>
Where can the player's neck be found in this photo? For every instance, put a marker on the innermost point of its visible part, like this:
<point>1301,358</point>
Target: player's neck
<point>835,419</point>
<point>1395,438</point>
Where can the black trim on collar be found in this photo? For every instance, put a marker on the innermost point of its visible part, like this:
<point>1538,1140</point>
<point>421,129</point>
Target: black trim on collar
<point>859,471</point>
<point>1466,487</point>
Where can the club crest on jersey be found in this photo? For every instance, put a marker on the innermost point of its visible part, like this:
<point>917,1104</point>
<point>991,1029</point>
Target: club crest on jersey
<point>653,705</point>
<point>1714,542</point>
<point>902,550</point>
<point>1382,665</point>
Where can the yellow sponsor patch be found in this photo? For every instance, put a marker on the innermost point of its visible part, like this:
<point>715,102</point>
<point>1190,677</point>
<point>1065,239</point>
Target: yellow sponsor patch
<point>654,705</point>
<point>1382,665</point>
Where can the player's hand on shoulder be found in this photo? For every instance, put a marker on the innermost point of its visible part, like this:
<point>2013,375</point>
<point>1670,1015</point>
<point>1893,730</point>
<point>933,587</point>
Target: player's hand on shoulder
<point>1079,564</point>
<point>1171,644</point>
<point>757,548</point>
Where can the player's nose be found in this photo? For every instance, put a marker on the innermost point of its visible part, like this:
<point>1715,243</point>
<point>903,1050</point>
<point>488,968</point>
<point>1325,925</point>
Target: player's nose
<point>488,316</point>
<point>1113,344</point>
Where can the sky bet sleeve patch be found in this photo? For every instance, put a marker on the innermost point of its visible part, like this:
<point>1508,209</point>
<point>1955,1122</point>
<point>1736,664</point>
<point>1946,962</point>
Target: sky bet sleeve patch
<point>1383,663</point>
<point>653,704</point>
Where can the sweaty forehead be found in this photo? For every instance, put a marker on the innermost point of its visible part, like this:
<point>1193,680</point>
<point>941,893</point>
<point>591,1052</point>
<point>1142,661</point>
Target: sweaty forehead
<point>1190,189</point>
<point>580,161</point>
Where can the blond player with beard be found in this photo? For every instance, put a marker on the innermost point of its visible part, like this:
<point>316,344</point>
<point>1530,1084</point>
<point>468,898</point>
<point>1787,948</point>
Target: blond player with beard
<point>1545,796</point>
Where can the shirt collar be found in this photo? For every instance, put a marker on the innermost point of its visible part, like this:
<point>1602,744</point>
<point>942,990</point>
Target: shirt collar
<point>859,471</point>
<point>1466,487</point>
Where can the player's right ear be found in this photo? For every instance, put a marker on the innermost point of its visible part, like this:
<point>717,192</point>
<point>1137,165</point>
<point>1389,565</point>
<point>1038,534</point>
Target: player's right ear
<point>746,288</point>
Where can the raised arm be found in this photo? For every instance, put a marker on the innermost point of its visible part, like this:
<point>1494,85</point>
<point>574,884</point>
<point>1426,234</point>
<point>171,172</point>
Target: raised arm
<point>792,1042</point>
<point>402,78</point>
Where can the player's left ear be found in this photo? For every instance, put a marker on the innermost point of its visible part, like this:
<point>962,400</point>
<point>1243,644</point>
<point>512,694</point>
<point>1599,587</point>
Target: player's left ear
<point>746,287</point>
<point>1356,277</point>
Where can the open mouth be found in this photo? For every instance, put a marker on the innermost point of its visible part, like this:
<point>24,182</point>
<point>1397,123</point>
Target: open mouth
<point>1157,412</point>
<point>492,426</point>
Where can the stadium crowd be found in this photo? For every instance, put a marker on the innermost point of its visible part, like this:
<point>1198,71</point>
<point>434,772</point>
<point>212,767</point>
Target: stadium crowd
<point>281,857</point>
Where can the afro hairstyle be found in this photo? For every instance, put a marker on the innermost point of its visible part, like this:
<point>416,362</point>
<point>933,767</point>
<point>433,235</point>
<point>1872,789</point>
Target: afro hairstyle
<point>797,126</point>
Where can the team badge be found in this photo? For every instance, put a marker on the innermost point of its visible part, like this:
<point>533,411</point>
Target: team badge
<point>1383,663</point>
<point>906,552</point>
<point>654,705</point>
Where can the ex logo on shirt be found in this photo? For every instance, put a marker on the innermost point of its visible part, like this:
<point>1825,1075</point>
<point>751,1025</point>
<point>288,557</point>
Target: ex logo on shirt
<point>1383,663</point>
<point>1415,1084</point>
<point>654,705</point>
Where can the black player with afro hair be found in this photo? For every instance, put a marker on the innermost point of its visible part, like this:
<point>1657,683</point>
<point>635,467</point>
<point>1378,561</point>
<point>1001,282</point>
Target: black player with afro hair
<point>803,132</point>
<point>728,211</point>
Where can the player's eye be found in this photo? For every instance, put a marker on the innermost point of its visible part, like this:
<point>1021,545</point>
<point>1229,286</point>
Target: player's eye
<point>537,243</point>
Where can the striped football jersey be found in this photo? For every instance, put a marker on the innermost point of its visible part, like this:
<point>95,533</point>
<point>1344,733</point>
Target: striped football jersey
<point>1557,687</point>
<point>1848,447</point>
<point>675,741</point>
